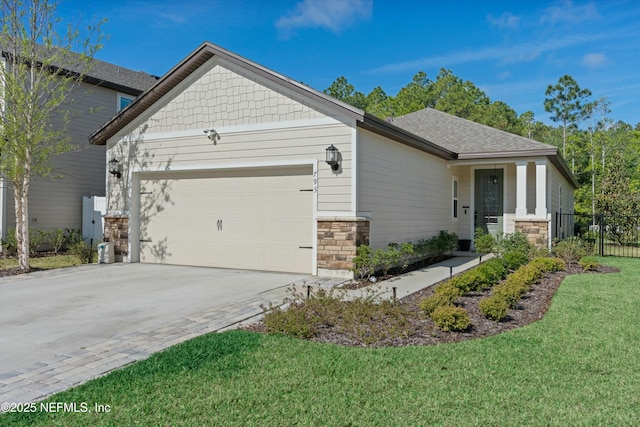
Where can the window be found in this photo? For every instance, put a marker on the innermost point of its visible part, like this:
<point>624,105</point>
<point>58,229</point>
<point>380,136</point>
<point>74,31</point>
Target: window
<point>454,196</point>
<point>123,101</point>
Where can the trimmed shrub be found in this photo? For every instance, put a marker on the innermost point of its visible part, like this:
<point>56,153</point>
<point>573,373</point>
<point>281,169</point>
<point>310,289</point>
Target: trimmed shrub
<point>494,307</point>
<point>450,318</point>
<point>589,264</point>
<point>493,271</point>
<point>512,292</point>
<point>549,264</point>
<point>431,303</point>
<point>449,290</point>
<point>514,259</point>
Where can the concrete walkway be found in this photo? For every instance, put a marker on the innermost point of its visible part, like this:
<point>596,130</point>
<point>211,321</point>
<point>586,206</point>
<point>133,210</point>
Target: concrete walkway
<point>58,371</point>
<point>414,281</point>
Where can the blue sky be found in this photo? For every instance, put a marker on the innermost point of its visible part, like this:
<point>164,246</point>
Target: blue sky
<point>510,49</point>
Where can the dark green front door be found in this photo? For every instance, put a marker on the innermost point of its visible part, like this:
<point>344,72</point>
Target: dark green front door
<point>489,200</point>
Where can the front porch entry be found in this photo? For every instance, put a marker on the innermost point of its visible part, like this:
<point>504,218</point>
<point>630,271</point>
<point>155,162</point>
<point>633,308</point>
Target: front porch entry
<point>489,198</point>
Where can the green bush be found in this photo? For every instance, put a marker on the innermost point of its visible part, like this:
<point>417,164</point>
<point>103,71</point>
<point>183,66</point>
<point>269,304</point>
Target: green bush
<point>430,303</point>
<point>10,244</point>
<point>514,259</point>
<point>363,319</point>
<point>450,318</point>
<point>549,264</point>
<point>494,307</point>
<point>56,239</point>
<point>449,290</point>
<point>572,249</point>
<point>517,241</point>
<point>589,264</point>
<point>511,292</point>
<point>389,258</point>
<point>365,261</point>
<point>37,237</point>
<point>84,252</point>
<point>293,321</point>
<point>484,242</point>
<point>493,271</point>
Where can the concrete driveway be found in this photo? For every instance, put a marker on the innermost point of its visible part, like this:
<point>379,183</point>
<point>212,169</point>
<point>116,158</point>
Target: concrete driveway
<point>60,328</point>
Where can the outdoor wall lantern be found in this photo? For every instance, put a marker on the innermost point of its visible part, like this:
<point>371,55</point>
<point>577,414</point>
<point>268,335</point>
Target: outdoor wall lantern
<point>114,168</point>
<point>333,156</point>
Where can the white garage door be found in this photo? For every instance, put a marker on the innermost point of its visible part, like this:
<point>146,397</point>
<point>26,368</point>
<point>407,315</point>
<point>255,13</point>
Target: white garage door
<point>247,219</point>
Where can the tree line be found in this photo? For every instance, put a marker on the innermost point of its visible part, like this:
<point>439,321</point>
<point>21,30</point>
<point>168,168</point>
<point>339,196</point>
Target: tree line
<point>603,154</point>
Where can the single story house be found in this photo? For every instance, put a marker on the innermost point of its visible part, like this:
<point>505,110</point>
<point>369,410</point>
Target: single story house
<point>226,163</point>
<point>56,202</point>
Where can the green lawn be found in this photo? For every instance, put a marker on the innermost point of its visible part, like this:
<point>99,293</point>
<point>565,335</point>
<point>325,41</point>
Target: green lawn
<point>577,366</point>
<point>44,263</point>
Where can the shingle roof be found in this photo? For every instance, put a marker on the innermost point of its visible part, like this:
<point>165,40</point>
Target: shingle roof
<point>124,77</point>
<point>464,136</point>
<point>104,73</point>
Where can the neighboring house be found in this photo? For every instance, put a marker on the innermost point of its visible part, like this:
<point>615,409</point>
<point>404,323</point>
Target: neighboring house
<point>56,202</point>
<point>222,163</point>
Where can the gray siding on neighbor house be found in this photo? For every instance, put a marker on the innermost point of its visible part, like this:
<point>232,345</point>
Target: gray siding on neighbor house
<point>406,191</point>
<point>56,202</point>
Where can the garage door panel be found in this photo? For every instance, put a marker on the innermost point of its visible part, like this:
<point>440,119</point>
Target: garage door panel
<point>232,220</point>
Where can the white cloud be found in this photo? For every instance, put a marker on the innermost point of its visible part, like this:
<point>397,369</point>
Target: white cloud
<point>333,15</point>
<point>506,20</point>
<point>566,11</point>
<point>524,52</point>
<point>594,60</point>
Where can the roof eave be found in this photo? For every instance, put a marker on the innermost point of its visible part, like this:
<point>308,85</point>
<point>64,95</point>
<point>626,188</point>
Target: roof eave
<point>551,153</point>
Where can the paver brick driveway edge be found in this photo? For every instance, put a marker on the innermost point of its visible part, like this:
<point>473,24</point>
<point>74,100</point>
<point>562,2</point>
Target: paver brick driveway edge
<point>42,379</point>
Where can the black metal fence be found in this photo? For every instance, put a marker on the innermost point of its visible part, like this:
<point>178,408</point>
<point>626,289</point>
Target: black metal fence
<point>612,235</point>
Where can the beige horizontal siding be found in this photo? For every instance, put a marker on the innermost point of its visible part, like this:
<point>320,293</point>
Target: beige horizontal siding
<point>407,191</point>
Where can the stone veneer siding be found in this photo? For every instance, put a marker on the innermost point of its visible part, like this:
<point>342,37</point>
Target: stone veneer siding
<point>116,230</point>
<point>338,240</point>
<point>537,231</point>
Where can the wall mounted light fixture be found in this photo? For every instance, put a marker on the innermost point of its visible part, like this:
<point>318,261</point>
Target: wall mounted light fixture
<point>114,168</point>
<point>333,157</point>
<point>212,135</point>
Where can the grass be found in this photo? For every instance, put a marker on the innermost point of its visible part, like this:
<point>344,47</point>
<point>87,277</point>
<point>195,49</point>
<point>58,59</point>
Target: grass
<point>44,263</point>
<point>577,366</point>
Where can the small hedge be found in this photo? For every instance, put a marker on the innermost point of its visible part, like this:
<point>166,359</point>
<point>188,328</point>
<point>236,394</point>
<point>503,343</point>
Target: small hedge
<point>430,303</point>
<point>450,318</point>
<point>494,307</point>
<point>509,292</point>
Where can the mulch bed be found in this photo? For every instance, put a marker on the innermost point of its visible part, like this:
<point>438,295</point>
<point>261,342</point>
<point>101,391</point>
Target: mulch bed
<point>15,271</point>
<point>531,308</point>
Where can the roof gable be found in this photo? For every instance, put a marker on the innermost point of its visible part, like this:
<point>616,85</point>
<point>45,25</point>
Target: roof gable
<point>206,51</point>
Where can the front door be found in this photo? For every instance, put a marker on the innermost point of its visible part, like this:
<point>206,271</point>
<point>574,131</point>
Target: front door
<point>488,200</point>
